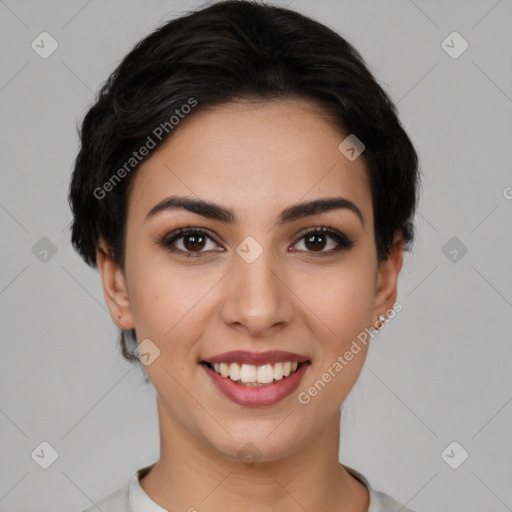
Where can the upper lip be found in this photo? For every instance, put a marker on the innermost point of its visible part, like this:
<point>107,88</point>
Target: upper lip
<point>256,358</point>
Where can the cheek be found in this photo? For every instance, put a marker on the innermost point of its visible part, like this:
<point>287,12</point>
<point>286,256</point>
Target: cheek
<point>337,316</point>
<point>342,306</point>
<point>164,301</point>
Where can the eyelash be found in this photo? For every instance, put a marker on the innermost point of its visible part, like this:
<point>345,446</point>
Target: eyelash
<point>344,243</point>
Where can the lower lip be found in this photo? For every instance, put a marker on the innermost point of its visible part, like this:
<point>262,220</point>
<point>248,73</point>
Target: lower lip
<point>255,396</point>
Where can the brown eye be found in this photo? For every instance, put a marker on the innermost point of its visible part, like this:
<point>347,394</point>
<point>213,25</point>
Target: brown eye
<point>194,242</point>
<point>191,240</point>
<point>317,240</point>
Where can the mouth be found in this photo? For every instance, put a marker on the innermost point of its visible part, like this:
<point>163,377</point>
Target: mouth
<point>252,375</point>
<point>238,376</point>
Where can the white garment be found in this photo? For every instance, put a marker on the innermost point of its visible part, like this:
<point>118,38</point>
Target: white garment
<point>132,498</point>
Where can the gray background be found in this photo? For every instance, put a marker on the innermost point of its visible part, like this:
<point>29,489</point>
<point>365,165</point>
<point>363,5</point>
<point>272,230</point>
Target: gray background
<point>440,372</point>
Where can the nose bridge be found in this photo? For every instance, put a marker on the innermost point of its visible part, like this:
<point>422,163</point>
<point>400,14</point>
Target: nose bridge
<point>256,296</point>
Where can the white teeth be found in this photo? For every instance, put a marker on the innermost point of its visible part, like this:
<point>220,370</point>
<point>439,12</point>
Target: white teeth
<point>278,371</point>
<point>248,373</point>
<point>265,374</point>
<point>234,371</point>
<point>224,369</point>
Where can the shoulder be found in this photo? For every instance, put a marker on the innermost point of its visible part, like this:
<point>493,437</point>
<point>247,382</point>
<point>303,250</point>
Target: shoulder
<point>379,501</point>
<point>115,502</point>
<point>128,497</point>
<point>382,502</point>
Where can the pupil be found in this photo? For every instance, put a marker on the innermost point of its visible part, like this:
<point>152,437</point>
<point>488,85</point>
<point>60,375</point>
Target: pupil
<point>194,244</point>
<point>316,244</point>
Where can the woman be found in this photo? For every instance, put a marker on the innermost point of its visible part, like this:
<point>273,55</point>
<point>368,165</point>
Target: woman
<point>246,191</point>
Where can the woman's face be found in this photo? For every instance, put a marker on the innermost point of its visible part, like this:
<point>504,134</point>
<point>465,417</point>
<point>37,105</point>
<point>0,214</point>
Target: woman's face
<point>260,281</point>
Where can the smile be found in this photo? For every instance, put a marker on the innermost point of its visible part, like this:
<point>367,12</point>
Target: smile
<point>261,384</point>
<point>249,374</point>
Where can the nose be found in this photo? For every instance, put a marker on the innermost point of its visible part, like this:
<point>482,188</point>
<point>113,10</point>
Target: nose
<point>257,299</point>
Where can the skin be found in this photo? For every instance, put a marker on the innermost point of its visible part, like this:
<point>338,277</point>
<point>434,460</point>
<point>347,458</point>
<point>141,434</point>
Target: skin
<point>256,158</point>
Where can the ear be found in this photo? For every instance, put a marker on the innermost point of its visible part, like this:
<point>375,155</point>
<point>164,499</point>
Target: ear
<point>114,288</point>
<point>387,278</point>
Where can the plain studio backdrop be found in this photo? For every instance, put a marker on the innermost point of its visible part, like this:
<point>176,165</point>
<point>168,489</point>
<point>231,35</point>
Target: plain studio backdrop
<point>429,419</point>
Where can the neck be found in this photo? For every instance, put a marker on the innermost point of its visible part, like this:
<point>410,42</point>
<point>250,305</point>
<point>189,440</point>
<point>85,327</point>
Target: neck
<point>191,474</point>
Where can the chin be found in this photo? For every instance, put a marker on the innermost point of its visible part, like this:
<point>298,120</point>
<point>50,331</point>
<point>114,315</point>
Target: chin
<point>251,447</point>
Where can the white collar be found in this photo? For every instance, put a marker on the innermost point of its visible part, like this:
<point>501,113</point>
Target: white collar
<point>140,502</point>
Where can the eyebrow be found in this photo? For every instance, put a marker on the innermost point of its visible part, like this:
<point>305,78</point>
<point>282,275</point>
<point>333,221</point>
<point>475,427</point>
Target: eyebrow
<point>215,211</point>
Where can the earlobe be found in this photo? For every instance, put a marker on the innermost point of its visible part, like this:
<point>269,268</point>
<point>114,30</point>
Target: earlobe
<point>114,288</point>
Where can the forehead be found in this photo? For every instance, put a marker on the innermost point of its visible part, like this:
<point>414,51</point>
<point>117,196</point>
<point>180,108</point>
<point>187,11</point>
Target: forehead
<point>253,158</point>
